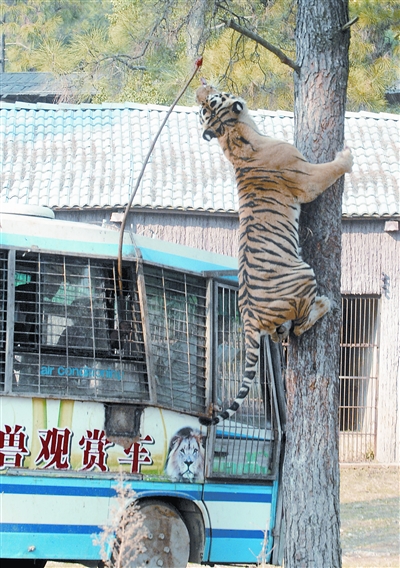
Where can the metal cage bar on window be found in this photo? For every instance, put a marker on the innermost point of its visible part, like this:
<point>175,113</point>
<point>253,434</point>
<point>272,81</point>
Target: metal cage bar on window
<point>358,377</point>
<point>176,305</point>
<point>3,317</point>
<point>75,335</point>
<point>246,443</point>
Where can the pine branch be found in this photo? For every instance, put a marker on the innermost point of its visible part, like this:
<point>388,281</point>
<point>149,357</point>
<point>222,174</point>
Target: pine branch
<point>264,43</point>
<point>350,23</point>
<point>124,59</point>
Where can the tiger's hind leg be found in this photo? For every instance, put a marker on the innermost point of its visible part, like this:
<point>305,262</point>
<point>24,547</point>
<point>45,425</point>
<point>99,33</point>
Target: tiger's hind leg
<point>319,308</point>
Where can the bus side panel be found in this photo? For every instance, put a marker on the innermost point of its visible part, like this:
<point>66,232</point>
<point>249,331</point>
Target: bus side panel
<point>51,517</point>
<point>49,544</point>
<point>60,518</point>
<point>240,516</point>
<point>50,436</point>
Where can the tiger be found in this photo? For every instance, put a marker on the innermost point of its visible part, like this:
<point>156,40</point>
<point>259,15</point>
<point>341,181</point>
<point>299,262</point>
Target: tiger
<point>277,289</point>
<point>185,460</point>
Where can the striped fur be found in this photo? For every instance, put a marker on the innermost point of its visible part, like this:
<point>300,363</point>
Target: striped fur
<point>276,287</point>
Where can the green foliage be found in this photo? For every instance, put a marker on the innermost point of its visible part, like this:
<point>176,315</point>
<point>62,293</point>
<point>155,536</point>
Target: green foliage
<point>240,65</point>
<point>39,33</point>
<point>374,53</point>
<point>142,50</point>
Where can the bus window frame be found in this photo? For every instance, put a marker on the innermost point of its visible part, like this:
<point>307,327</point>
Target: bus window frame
<point>134,262</point>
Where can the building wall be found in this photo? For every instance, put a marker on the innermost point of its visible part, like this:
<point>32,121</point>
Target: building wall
<point>370,266</point>
<point>212,232</point>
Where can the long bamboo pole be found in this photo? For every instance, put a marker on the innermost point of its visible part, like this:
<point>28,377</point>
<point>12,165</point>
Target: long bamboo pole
<point>197,66</point>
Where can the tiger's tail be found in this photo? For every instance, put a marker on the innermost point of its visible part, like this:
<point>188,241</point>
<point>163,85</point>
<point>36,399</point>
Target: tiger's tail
<point>252,357</point>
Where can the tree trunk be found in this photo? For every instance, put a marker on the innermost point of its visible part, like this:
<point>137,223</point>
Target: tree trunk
<point>197,30</point>
<point>311,466</point>
<point>2,52</point>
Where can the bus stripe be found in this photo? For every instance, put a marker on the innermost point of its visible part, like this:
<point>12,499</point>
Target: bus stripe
<point>237,534</point>
<point>57,490</point>
<point>238,497</point>
<point>86,491</point>
<point>59,529</point>
<point>92,529</point>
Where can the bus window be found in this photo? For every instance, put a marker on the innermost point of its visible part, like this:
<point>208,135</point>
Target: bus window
<point>78,334</point>
<point>73,310</point>
<point>177,322</point>
<point>245,445</point>
<point>71,329</point>
<point>123,308</point>
<point>3,314</point>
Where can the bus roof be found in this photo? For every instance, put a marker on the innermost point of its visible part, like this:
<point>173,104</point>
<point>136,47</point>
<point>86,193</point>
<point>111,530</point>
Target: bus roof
<point>44,234</point>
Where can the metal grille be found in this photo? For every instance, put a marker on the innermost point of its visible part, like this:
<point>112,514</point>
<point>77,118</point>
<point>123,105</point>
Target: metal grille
<point>358,378</point>
<point>246,444</point>
<point>176,304</point>
<point>3,314</point>
<point>74,333</point>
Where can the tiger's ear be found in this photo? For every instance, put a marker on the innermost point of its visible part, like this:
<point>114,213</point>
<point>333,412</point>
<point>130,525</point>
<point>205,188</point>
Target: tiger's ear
<point>209,135</point>
<point>237,107</point>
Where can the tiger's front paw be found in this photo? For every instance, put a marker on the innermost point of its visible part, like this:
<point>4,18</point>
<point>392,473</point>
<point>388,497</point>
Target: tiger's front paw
<point>284,329</point>
<point>345,157</point>
<point>281,332</point>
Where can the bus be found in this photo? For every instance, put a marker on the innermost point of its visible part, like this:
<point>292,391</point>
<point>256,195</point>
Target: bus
<point>105,373</point>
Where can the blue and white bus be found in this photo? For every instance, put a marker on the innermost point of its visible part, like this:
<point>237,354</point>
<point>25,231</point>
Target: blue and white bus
<point>103,373</point>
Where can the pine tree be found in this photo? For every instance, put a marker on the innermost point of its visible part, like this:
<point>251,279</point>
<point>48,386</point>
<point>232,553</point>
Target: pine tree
<point>311,462</point>
<point>141,50</point>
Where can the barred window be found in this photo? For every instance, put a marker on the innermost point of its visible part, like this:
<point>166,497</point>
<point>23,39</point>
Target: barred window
<point>3,317</point>
<point>358,377</point>
<point>248,443</point>
<point>75,334</point>
<point>176,305</point>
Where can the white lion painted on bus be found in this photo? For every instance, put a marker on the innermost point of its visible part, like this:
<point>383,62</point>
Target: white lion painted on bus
<point>185,460</point>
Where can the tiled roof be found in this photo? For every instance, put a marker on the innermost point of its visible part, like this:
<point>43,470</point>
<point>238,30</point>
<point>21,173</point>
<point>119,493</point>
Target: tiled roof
<point>91,156</point>
<point>33,87</point>
<point>27,84</point>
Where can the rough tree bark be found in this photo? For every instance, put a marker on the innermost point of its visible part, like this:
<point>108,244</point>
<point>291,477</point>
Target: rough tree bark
<point>311,466</point>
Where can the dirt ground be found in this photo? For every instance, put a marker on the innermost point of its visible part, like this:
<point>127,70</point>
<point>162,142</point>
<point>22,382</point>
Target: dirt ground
<point>370,514</point>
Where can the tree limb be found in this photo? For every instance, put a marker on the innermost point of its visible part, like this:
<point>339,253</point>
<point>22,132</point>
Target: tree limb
<point>121,58</point>
<point>18,43</point>
<point>350,23</point>
<point>264,43</point>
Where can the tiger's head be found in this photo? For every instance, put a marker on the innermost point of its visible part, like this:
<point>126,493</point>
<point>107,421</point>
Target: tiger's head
<point>185,460</point>
<point>218,111</point>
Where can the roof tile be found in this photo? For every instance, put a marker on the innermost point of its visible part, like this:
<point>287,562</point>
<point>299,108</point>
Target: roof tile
<point>91,156</point>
